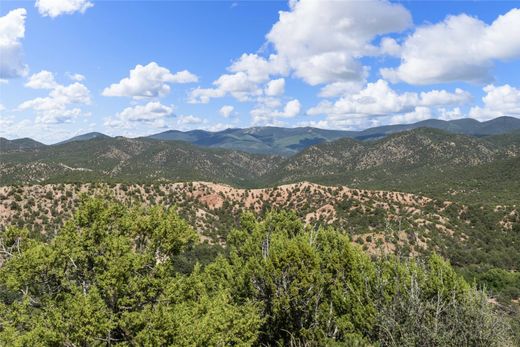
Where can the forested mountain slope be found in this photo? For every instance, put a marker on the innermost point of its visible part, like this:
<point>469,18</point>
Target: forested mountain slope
<point>422,160</point>
<point>131,160</point>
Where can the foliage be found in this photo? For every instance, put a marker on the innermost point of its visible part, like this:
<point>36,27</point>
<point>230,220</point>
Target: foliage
<point>111,276</point>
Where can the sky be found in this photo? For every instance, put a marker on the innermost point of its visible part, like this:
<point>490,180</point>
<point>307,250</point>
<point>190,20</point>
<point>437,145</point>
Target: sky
<point>135,68</point>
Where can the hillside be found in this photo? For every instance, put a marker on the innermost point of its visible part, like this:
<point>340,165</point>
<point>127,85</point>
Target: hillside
<point>413,161</point>
<point>137,275</point>
<point>465,126</point>
<point>85,137</point>
<point>18,144</point>
<point>131,160</point>
<point>422,160</point>
<point>474,239</point>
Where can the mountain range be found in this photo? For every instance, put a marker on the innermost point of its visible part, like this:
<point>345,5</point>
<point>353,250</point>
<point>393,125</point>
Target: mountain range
<point>422,160</point>
<point>289,141</point>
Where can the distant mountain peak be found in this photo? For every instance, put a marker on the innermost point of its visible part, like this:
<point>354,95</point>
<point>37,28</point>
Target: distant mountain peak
<point>288,141</point>
<point>85,137</point>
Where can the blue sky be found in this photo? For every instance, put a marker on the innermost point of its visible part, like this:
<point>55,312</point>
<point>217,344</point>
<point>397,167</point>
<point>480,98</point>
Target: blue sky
<point>135,67</point>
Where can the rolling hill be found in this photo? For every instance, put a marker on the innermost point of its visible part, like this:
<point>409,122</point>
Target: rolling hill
<point>420,160</point>
<point>131,160</point>
<point>425,161</point>
<point>395,155</point>
<point>476,239</point>
<point>19,144</point>
<point>85,137</point>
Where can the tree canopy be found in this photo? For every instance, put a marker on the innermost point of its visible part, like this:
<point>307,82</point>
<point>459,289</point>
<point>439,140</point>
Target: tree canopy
<point>115,275</point>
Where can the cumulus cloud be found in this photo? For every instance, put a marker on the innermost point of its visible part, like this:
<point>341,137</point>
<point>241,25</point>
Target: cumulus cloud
<point>220,126</point>
<point>275,87</point>
<point>340,88</point>
<point>499,101</point>
<point>450,114</point>
<point>461,48</point>
<point>183,76</point>
<point>153,113</point>
<point>326,48</point>
<point>378,99</point>
<point>418,114</point>
<point>42,80</point>
<point>246,74</point>
<point>12,30</point>
<point>148,81</point>
<point>318,49</point>
<point>55,108</point>
<point>389,46</point>
<point>55,8</point>
<point>265,115</point>
<point>291,109</point>
<point>10,128</point>
<point>226,111</point>
<point>189,120</point>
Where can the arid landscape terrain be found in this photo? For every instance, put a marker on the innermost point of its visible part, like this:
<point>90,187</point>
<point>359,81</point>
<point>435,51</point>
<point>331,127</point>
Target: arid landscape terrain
<point>297,173</point>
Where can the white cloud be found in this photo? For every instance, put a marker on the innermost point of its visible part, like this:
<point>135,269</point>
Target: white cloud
<point>189,120</point>
<point>267,116</point>
<point>183,76</point>
<point>291,109</point>
<point>269,102</point>
<point>498,101</point>
<point>323,40</point>
<point>275,87</point>
<point>226,111</point>
<point>55,8</point>
<point>447,114</point>
<point>55,107</point>
<point>378,99</point>
<point>324,48</point>
<point>242,83</point>
<point>58,116</point>
<point>421,113</point>
<point>389,46</point>
<point>418,114</point>
<point>443,97</point>
<point>238,85</point>
<point>148,81</point>
<point>76,77</point>
<point>340,88</point>
<point>153,113</point>
<point>12,30</point>
<point>257,68</point>
<point>461,48</point>
<point>13,127</point>
<point>42,80</point>
<point>220,126</point>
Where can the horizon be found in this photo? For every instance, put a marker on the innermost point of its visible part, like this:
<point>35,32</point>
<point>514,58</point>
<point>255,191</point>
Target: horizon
<point>240,68</point>
<point>252,127</point>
